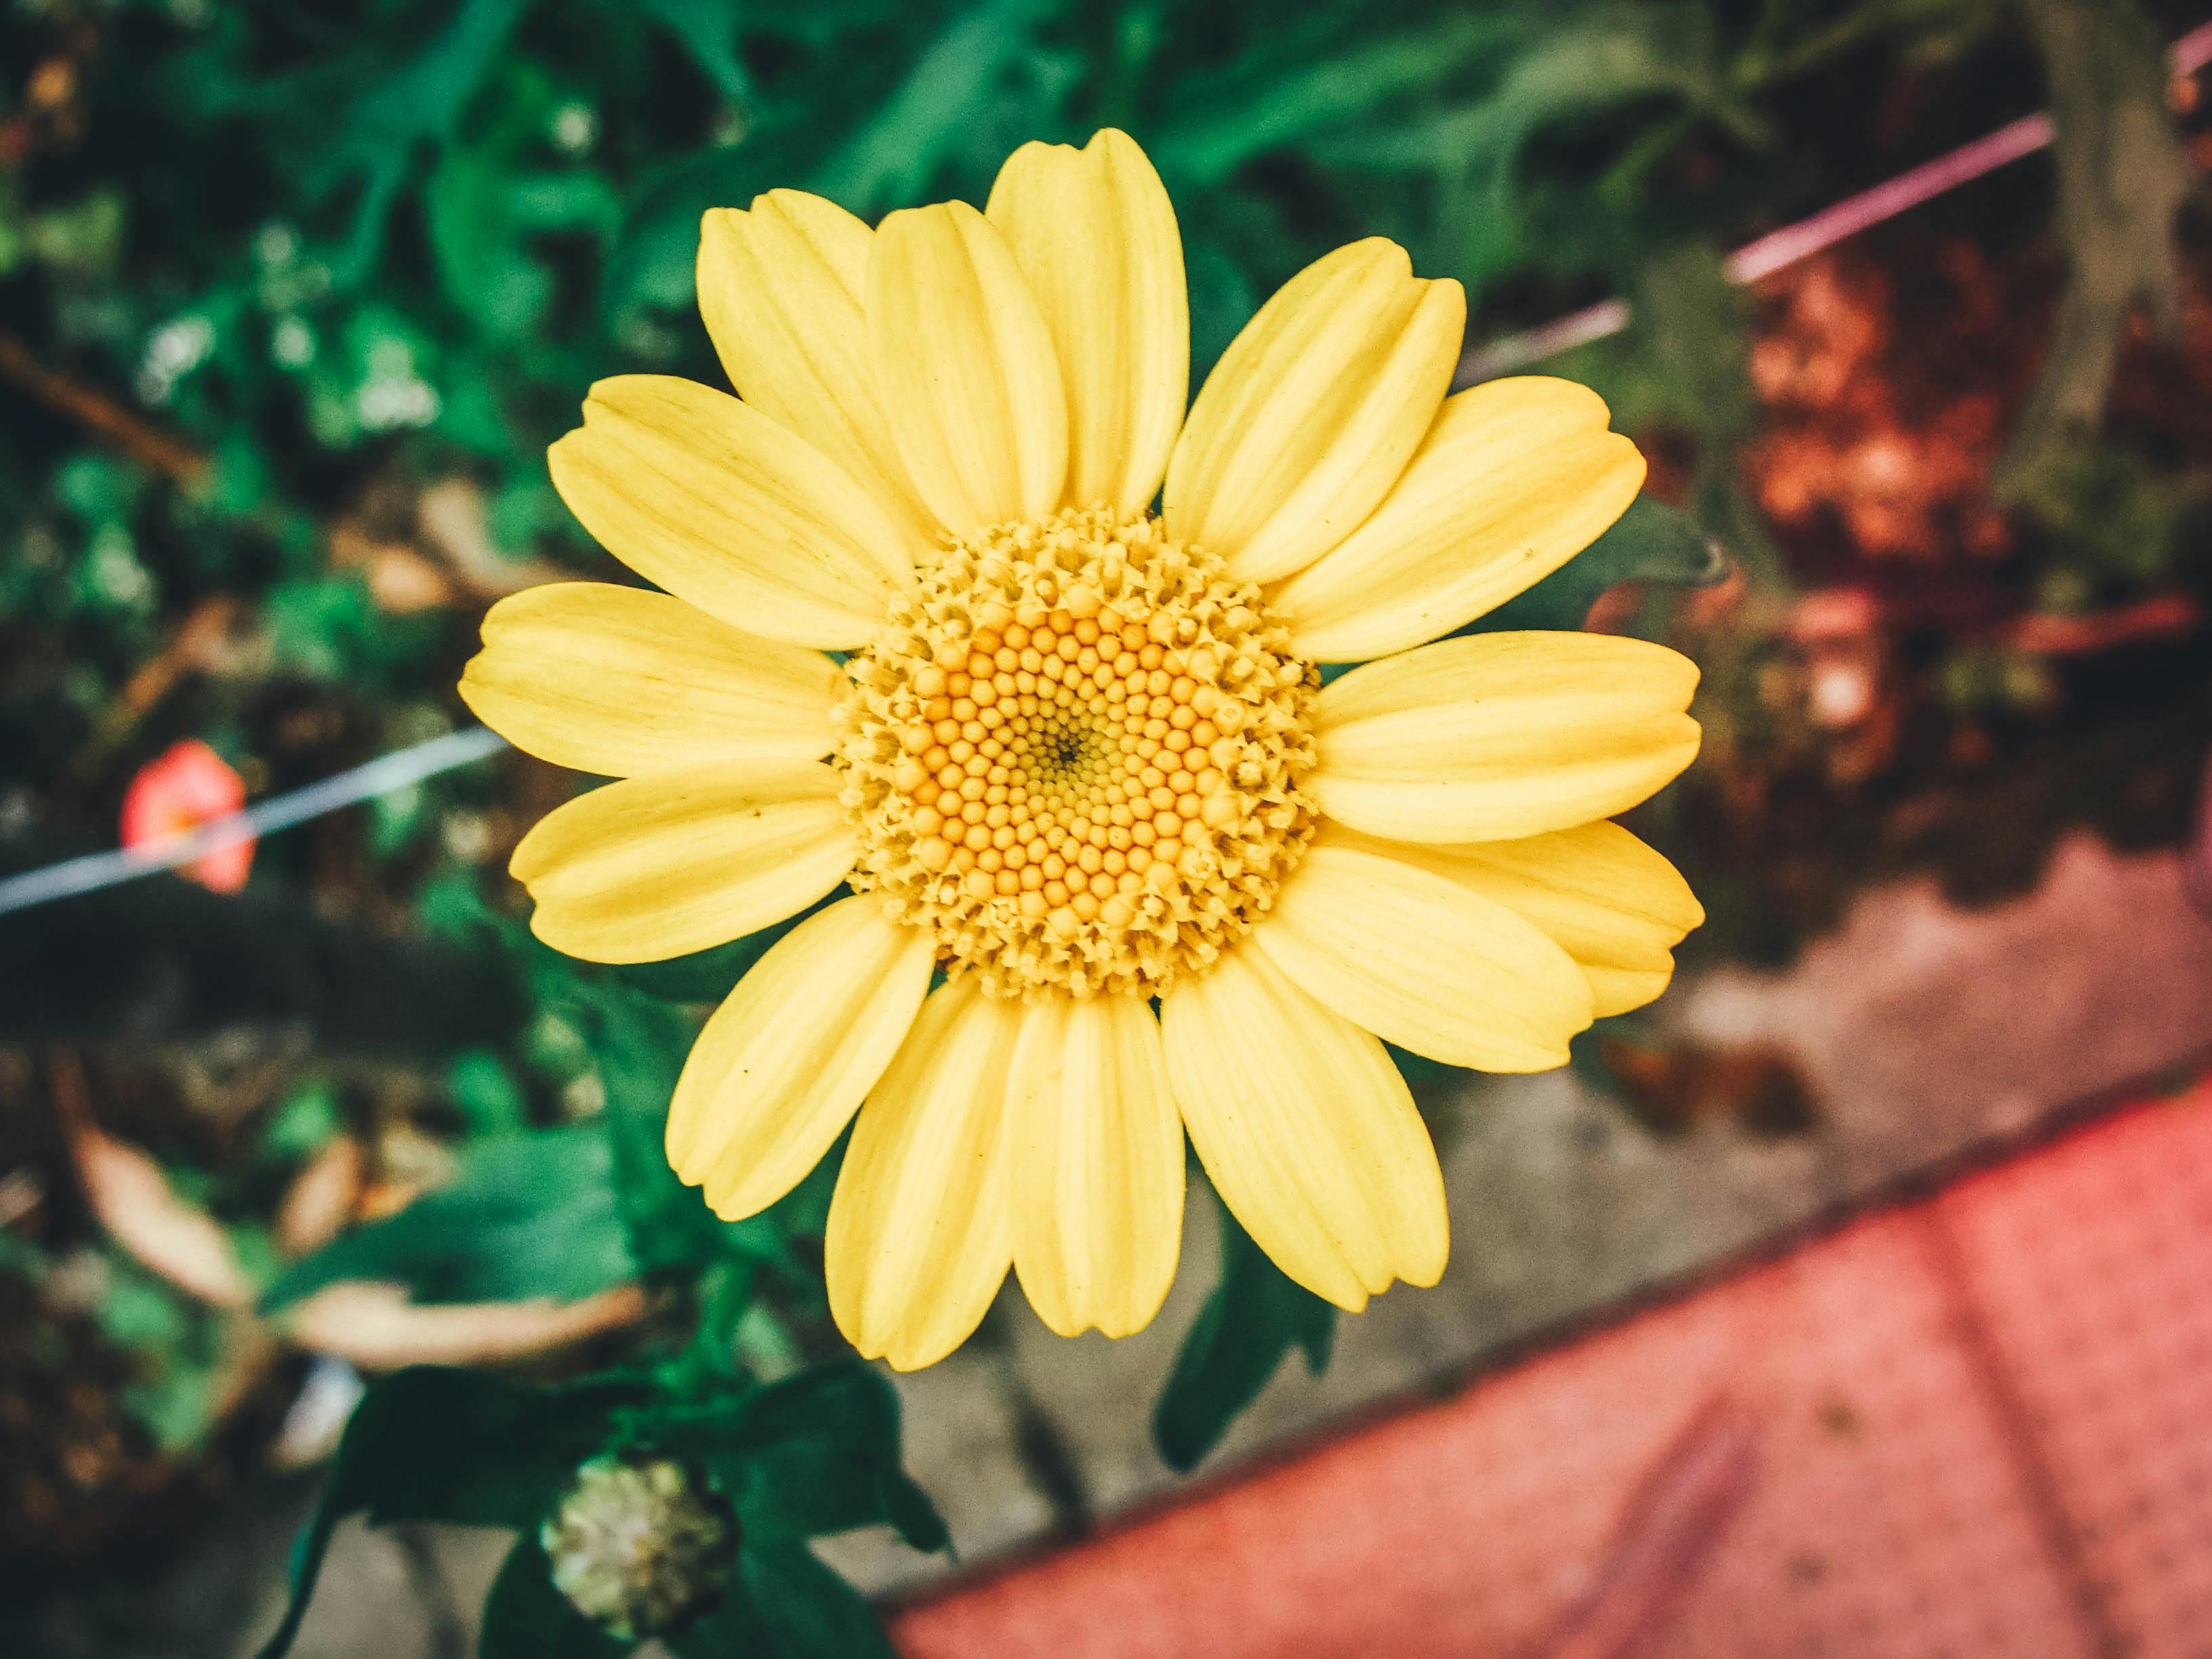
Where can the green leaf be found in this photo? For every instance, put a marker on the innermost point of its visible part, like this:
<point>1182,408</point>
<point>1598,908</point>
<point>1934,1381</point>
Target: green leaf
<point>1252,1318</point>
<point>708,30</point>
<point>486,271</point>
<point>364,119</point>
<point>1422,1073</point>
<point>1286,90</point>
<point>304,1122</point>
<point>485,1092</point>
<point>1692,335</point>
<point>894,154</point>
<point>435,1444</point>
<point>527,1617</point>
<point>181,1352</point>
<point>1687,365</point>
<point>321,628</point>
<point>1221,303</point>
<point>1652,542</point>
<point>638,1045</point>
<point>527,1215</point>
<point>730,1627</point>
<point>655,258</point>
<point>815,1453</point>
<point>1569,66</point>
<point>426,96</point>
<point>810,1612</point>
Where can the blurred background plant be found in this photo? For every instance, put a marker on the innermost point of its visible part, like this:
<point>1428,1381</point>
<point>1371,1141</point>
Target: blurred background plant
<point>292,297</point>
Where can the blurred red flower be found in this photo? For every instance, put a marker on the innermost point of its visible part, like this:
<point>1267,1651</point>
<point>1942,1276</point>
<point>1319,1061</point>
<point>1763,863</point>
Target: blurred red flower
<point>183,789</point>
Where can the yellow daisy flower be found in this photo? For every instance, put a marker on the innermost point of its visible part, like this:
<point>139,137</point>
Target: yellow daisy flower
<point>1078,756</point>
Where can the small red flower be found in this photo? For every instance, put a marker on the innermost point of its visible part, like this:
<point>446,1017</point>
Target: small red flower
<point>184,787</point>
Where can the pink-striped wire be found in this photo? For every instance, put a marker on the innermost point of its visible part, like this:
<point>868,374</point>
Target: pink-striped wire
<point>1778,249</point>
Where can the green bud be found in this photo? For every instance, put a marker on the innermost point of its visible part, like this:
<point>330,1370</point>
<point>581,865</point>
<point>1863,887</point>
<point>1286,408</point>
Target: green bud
<point>637,1547</point>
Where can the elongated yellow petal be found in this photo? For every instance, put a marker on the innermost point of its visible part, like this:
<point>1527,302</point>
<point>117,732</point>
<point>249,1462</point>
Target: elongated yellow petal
<point>782,1066</point>
<point>1095,1164</point>
<point>1094,232</point>
<point>673,862</point>
<point>1614,904</point>
<point>1515,478</point>
<point>965,369</point>
<point>921,1234</point>
<point>617,680</point>
<point>1314,410</point>
<point>1426,963</point>
<point>1496,736</point>
<point>712,500</point>
<point>783,289</point>
<point>1306,1130</point>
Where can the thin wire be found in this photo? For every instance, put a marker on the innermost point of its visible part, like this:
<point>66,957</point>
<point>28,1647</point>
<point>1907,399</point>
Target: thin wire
<point>365,782</point>
<point>1786,246</point>
<point>1768,254</point>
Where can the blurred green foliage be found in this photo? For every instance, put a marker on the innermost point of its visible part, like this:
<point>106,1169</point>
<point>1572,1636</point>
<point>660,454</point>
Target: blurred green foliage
<point>323,251</point>
<point>318,242</point>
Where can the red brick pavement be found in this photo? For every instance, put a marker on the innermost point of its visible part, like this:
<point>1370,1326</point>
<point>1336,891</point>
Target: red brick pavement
<point>1976,1425</point>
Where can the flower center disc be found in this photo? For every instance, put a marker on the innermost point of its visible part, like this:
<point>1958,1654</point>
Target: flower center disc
<point>1075,756</point>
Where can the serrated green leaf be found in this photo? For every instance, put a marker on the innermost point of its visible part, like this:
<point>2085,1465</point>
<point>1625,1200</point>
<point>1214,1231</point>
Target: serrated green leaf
<point>1308,82</point>
<point>897,151</point>
<point>304,1122</point>
<point>1422,1073</point>
<point>527,1617</point>
<point>1693,332</point>
<point>1221,302</point>
<point>815,1453</point>
<point>654,257</point>
<point>526,1215</point>
<point>638,1045</point>
<point>487,272</point>
<point>810,1612</point>
<point>730,1627</point>
<point>435,1444</point>
<point>708,30</point>
<point>485,1092</point>
<point>361,119</point>
<point>1253,1316</point>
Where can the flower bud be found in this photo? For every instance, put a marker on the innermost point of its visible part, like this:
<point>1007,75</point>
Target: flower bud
<point>637,1547</point>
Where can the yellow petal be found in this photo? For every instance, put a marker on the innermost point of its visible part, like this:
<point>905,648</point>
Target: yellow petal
<point>781,1067</point>
<point>1614,905</point>
<point>965,369</point>
<point>1314,410</point>
<point>1515,478</point>
<point>673,862</point>
<point>1424,963</point>
<point>1095,1164</point>
<point>783,289</point>
<point>617,680</point>
<point>921,1234</point>
<point>1095,234</point>
<point>712,500</point>
<point>1495,736</point>
<point>1307,1131</point>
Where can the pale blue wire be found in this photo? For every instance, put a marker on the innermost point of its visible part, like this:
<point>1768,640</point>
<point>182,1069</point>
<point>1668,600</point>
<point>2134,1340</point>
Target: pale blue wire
<point>378,777</point>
